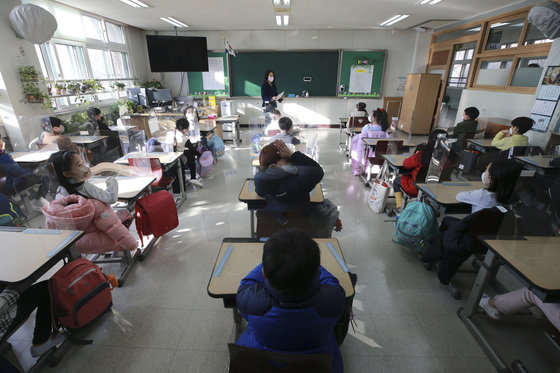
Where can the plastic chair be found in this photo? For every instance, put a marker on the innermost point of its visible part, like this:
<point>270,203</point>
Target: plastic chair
<point>386,146</point>
<point>248,360</point>
<point>151,167</point>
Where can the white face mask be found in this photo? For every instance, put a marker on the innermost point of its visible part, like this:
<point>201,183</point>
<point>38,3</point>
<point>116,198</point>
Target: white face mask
<point>190,117</point>
<point>483,178</point>
<point>511,130</point>
<point>61,129</point>
<point>271,79</point>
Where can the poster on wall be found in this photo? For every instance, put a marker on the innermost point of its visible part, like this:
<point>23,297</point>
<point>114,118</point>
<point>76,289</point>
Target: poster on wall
<point>214,78</point>
<point>541,122</point>
<point>361,77</point>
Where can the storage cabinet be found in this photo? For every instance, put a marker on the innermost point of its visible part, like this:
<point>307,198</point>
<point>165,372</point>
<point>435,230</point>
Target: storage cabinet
<point>419,103</point>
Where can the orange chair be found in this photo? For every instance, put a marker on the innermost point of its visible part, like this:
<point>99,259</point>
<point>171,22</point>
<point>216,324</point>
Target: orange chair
<point>151,167</point>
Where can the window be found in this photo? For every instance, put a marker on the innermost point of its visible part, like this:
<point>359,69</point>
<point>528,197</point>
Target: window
<point>457,34</point>
<point>504,34</point>
<point>494,72</point>
<point>534,36</point>
<point>115,33</point>
<point>93,28</point>
<point>100,64</point>
<point>102,55</point>
<point>528,71</point>
<point>461,66</point>
<point>72,62</point>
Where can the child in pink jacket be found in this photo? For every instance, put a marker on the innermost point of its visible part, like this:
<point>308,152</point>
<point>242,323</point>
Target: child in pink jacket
<point>377,129</point>
<point>83,206</point>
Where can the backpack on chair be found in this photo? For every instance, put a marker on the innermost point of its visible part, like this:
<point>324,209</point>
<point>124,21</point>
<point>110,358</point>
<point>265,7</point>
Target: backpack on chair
<point>156,214</point>
<point>414,227</point>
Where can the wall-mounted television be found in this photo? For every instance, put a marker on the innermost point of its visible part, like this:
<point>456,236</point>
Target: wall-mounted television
<point>177,53</point>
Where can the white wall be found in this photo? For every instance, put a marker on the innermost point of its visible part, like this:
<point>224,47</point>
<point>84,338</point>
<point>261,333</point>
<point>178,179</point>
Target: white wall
<point>138,53</point>
<point>406,53</point>
<point>511,105</point>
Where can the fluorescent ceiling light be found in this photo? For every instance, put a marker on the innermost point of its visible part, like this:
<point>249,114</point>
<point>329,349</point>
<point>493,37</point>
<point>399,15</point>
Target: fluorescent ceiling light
<point>173,22</point>
<point>276,2</point>
<point>395,19</point>
<point>286,20</point>
<point>499,24</point>
<point>278,20</point>
<point>424,2</point>
<point>178,22</point>
<point>135,3</point>
<point>434,2</point>
<point>287,2</point>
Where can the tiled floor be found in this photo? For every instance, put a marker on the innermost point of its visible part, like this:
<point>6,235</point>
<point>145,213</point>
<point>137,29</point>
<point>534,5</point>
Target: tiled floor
<point>406,321</point>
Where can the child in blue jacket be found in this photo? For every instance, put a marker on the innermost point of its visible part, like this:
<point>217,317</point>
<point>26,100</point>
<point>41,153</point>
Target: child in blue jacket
<point>291,303</point>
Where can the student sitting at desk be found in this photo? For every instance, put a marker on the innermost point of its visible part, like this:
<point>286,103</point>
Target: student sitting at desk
<point>514,136</point>
<point>500,178</point>
<point>467,127</point>
<point>518,301</point>
<point>51,133</point>
<point>377,129</point>
<point>361,110</point>
<point>421,158</point>
<point>96,123</point>
<point>286,135</point>
<point>15,308</point>
<point>183,139</point>
<point>273,128</point>
<point>286,178</point>
<point>290,301</point>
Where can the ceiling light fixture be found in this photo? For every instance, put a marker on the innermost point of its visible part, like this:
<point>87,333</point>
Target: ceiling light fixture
<point>434,2</point>
<point>395,19</point>
<point>135,3</point>
<point>278,20</point>
<point>424,2</point>
<point>286,20</point>
<point>286,2</point>
<point>174,22</point>
<point>276,2</point>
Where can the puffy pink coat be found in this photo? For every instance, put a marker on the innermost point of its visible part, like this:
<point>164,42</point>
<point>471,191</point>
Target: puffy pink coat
<point>103,229</point>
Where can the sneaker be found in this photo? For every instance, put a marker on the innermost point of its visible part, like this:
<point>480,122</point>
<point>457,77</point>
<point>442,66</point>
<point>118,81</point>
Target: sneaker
<point>53,341</point>
<point>492,312</point>
<point>196,182</point>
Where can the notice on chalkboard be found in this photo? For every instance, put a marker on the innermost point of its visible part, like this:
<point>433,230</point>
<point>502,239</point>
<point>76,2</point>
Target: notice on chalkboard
<point>361,77</point>
<point>214,78</point>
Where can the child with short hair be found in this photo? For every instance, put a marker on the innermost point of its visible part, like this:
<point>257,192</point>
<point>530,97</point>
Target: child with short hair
<point>500,178</point>
<point>286,135</point>
<point>361,110</point>
<point>467,126</point>
<point>51,133</point>
<point>183,131</point>
<point>290,301</point>
<point>514,135</point>
<point>377,129</point>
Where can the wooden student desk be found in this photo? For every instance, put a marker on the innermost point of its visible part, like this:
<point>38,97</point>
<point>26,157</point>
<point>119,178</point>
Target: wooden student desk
<point>482,145</point>
<point>444,194</point>
<point>27,254</point>
<point>539,163</point>
<point>255,202</point>
<point>87,141</point>
<point>370,144</point>
<point>32,157</point>
<point>535,261</point>
<point>238,256</point>
<point>131,188</point>
<point>395,161</point>
<point>167,160</point>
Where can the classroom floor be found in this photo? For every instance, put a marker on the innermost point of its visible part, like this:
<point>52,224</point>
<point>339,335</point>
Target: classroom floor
<point>406,321</point>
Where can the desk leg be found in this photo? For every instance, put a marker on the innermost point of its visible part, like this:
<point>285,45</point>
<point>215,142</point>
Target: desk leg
<point>340,143</point>
<point>237,319</point>
<point>181,183</point>
<point>253,231</point>
<point>487,270</point>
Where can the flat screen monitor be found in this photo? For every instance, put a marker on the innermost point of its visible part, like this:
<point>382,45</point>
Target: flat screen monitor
<point>177,53</point>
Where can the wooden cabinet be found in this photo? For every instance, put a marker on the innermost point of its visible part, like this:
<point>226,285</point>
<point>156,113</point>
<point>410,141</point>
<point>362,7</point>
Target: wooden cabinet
<point>419,103</point>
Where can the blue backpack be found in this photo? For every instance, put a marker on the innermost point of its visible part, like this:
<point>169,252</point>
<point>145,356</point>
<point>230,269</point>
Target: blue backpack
<point>216,146</point>
<point>415,226</point>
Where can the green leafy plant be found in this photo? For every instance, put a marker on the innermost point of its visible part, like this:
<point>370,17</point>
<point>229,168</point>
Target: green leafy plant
<point>120,86</point>
<point>91,85</point>
<point>73,87</point>
<point>28,73</point>
<point>152,84</point>
<point>34,94</point>
<point>59,87</point>
<point>71,128</point>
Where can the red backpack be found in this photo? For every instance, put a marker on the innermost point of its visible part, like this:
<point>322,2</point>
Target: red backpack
<point>156,214</point>
<point>80,292</point>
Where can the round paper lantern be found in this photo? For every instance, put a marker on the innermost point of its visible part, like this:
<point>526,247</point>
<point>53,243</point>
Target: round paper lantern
<point>33,23</point>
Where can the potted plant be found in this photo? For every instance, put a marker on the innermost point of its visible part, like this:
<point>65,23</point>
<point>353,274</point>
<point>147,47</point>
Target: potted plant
<point>33,93</point>
<point>91,85</point>
<point>152,84</point>
<point>28,73</point>
<point>73,87</point>
<point>120,86</point>
<point>59,87</point>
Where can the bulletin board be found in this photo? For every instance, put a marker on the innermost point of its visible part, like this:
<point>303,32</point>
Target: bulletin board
<point>361,73</point>
<point>215,82</point>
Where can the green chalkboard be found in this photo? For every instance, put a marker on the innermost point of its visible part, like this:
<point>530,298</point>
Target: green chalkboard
<point>290,67</point>
<point>196,86</point>
<point>362,63</point>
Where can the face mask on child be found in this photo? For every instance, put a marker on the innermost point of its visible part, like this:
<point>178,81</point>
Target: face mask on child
<point>511,130</point>
<point>483,178</point>
<point>61,129</point>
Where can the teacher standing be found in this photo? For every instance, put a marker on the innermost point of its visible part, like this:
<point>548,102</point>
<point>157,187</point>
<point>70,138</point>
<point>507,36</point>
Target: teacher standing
<point>269,92</point>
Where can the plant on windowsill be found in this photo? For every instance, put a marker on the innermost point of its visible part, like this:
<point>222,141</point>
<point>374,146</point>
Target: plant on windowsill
<point>28,73</point>
<point>59,88</point>
<point>34,94</point>
<point>73,88</point>
<point>152,84</point>
<point>120,86</point>
<point>91,85</point>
